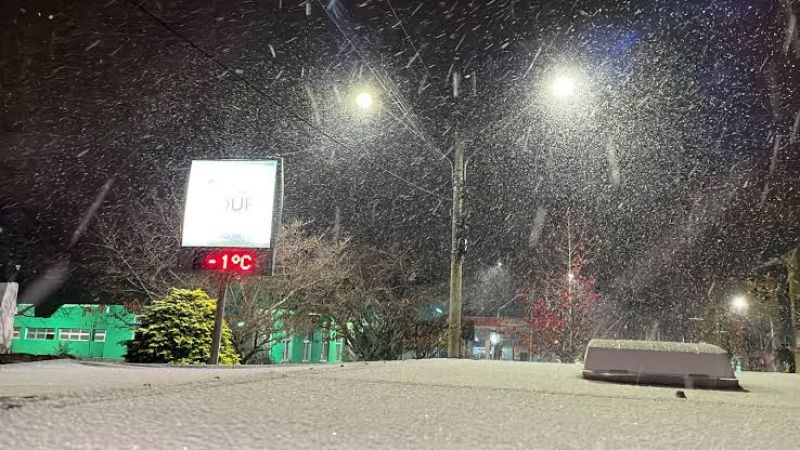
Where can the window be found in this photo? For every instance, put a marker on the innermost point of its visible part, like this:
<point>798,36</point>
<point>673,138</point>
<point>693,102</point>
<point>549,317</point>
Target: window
<point>287,349</point>
<point>99,335</point>
<point>339,346</point>
<point>73,334</point>
<point>307,348</point>
<point>16,333</point>
<point>323,357</point>
<point>40,333</point>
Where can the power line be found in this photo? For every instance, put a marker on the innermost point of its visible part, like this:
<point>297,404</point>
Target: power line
<point>140,6</point>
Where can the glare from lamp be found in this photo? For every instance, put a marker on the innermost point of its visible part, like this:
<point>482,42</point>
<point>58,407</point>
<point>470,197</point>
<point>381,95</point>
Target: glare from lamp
<point>364,100</point>
<point>739,304</point>
<point>563,86</point>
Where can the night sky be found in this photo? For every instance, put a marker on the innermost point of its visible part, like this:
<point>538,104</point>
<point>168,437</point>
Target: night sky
<point>679,151</point>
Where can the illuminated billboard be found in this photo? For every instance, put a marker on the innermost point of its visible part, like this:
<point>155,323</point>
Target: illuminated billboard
<point>231,216</point>
<point>231,203</point>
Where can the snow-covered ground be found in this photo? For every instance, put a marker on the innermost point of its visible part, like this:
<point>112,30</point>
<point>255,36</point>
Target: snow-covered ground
<point>403,404</point>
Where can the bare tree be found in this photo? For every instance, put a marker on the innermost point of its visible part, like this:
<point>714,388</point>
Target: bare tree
<point>565,307</point>
<point>133,256</point>
<point>368,296</point>
<point>312,271</point>
<point>423,336</point>
<point>372,298</point>
<point>249,310</point>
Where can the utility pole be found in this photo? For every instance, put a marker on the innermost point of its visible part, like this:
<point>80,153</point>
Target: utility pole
<point>793,291</point>
<point>458,248</point>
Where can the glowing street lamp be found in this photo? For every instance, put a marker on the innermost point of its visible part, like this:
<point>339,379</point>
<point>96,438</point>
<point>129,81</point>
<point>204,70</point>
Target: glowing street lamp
<point>364,100</point>
<point>739,304</point>
<point>563,86</point>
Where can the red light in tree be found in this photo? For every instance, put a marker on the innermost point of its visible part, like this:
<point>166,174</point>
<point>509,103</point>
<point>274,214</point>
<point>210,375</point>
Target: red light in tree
<point>230,260</point>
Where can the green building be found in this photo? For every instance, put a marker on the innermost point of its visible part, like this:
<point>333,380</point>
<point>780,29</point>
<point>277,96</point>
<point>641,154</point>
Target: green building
<point>101,331</point>
<point>83,331</point>
<point>321,346</point>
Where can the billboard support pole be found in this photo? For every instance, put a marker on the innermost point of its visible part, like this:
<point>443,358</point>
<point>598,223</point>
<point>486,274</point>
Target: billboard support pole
<point>219,315</point>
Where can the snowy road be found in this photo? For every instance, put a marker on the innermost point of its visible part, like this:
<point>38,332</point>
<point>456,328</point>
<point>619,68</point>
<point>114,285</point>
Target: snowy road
<point>407,404</point>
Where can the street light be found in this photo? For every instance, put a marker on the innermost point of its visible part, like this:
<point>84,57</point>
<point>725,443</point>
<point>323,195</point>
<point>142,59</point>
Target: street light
<point>364,100</point>
<point>563,86</point>
<point>739,304</point>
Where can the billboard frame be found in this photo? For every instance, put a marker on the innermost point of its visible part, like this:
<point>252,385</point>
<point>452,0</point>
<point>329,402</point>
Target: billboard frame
<point>187,255</point>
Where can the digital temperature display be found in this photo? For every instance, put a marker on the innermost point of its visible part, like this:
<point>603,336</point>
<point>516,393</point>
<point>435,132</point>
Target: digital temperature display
<point>231,217</point>
<point>235,260</point>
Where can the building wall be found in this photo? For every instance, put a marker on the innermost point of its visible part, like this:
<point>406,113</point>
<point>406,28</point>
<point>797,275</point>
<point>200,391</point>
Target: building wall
<point>89,321</point>
<point>117,323</point>
<point>510,334</point>
<point>297,344</point>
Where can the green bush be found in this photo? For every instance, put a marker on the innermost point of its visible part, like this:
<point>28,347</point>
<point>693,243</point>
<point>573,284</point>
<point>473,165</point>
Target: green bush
<point>177,329</point>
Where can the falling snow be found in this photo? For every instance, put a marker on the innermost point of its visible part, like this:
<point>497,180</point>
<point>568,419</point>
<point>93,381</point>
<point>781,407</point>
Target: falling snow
<point>676,145</point>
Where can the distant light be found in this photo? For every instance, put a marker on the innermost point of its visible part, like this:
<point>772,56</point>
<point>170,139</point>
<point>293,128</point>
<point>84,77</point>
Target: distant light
<point>364,100</point>
<point>739,304</point>
<point>439,311</point>
<point>499,264</point>
<point>563,86</point>
<point>571,276</point>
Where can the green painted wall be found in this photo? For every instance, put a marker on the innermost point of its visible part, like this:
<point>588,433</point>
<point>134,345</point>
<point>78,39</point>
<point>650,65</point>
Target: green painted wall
<point>115,320</point>
<point>118,323</point>
<point>297,345</point>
